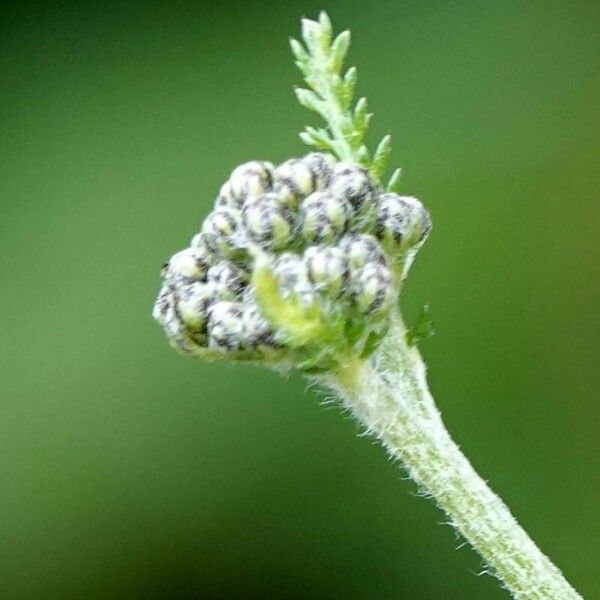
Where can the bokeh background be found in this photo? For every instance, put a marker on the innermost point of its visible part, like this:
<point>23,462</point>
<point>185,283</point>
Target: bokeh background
<point>127,471</point>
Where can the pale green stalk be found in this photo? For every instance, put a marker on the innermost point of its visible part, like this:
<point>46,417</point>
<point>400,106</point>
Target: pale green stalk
<point>388,392</point>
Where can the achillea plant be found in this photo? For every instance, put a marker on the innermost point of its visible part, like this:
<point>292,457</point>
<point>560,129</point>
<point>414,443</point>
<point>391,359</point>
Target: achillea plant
<point>300,266</point>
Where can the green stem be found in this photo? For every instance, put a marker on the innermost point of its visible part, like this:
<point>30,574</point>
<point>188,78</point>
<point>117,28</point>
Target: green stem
<point>389,395</point>
<point>338,117</point>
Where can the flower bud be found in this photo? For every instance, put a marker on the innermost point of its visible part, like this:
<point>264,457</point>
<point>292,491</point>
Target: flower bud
<point>163,304</point>
<point>193,304</point>
<point>372,289</point>
<point>292,277</point>
<point>290,272</point>
<point>250,180</point>
<point>198,243</point>
<point>291,266</point>
<point>402,221</point>
<point>178,335</point>
<point>256,331</point>
<point>352,182</point>
<point>186,265</point>
<point>324,217</point>
<point>220,230</point>
<point>228,280</point>
<point>326,268</point>
<point>269,223</point>
<point>226,198</point>
<point>321,166</point>
<point>360,249</point>
<point>225,326</point>
<point>296,176</point>
<point>286,196</point>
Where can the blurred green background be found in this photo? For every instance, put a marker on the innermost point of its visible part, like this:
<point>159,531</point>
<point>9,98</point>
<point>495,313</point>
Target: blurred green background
<point>127,471</point>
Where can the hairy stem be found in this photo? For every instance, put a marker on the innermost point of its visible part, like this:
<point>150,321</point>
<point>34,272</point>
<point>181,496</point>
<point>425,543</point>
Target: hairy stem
<point>389,395</point>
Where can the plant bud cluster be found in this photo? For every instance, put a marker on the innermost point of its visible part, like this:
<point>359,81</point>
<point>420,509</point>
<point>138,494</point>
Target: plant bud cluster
<point>332,239</point>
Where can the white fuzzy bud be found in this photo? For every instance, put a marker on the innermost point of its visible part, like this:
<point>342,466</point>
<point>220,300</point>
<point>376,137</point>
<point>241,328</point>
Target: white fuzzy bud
<point>226,198</point>
<point>186,265</point>
<point>309,224</point>
<point>198,243</point>
<point>360,249</point>
<point>353,183</point>
<point>296,176</point>
<point>228,280</point>
<point>269,223</point>
<point>193,305</point>
<point>372,289</point>
<point>321,166</point>
<point>290,272</point>
<point>324,217</point>
<point>286,196</point>
<point>402,221</point>
<point>163,304</point>
<point>256,331</point>
<point>250,180</point>
<point>226,326</point>
<point>220,230</point>
<point>292,277</point>
<point>178,335</point>
<point>326,268</point>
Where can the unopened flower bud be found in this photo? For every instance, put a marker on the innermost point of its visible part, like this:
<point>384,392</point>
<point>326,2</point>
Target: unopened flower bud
<point>290,272</point>
<point>291,266</point>
<point>220,230</point>
<point>360,249</point>
<point>228,279</point>
<point>193,305</point>
<point>286,196</point>
<point>256,331</point>
<point>250,180</point>
<point>186,265</point>
<point>198,243</point>
<point>225,326</point>
<point>269,223</point>
<point>226,198</point>
<point>321,166</point>
<point>402,221</point>
<point>353,183</point>
<point>372,289</point>
<point>326,268</point>
<point>178,335</point>
<point>295,175</point>
<point>292,277</point>
<point>163,304</point>
<point>324,217</point>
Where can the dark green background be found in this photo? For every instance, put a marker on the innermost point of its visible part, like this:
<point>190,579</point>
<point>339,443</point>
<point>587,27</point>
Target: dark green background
<point>127,471</point>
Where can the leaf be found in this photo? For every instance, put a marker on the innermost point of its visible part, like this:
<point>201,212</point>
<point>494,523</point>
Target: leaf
<point>330,93</point>
<point>325,25</point>
<point>311,34</point>
<point>361,117</point>
<point>339,49</point>
<point>423,328</point>
<point>317,138</point>
<point>350,79</point>
<point>381,157</point>
<point>363,155</point>
<point>309,100</point>
<point>299,51</point>
<point>394,182</point>
<point>307,138</point>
